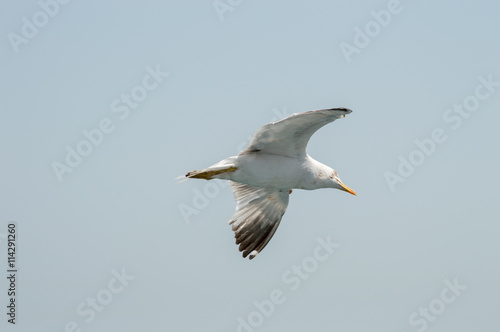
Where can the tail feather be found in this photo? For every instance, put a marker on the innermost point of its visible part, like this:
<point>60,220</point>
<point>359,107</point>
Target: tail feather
<point>210,173</point>
<point>183,177</point>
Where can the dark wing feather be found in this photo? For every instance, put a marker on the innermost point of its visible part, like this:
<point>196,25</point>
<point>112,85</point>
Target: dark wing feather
<point>258,215</point>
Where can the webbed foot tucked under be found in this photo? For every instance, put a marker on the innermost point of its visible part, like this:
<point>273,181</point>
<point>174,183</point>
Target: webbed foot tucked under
<point>210,173</point>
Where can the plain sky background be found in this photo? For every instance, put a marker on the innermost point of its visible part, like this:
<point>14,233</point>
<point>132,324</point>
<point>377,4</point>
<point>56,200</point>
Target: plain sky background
<point>121,207</point>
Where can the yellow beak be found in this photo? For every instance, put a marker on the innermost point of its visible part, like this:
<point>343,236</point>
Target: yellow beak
<point>346,188</point>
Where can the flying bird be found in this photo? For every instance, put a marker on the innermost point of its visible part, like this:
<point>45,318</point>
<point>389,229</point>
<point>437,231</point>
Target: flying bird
<point>263,175</point>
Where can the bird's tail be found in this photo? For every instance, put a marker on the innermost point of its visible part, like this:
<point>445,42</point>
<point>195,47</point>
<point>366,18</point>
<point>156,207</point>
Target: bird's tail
<point>220,170</point>
<point>181,178</point>
<point>211,172</point>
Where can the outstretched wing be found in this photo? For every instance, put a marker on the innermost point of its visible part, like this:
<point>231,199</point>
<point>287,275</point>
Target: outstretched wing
<point>289,137</point>
<point>258,215</point>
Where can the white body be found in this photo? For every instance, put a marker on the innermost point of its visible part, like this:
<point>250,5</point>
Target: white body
<point>278,172</point>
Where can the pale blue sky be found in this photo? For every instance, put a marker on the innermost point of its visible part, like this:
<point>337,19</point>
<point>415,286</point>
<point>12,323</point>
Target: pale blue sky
<point>120,207</point>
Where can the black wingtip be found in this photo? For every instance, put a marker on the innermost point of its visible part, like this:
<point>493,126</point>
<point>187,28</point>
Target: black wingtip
<point>347,110</point>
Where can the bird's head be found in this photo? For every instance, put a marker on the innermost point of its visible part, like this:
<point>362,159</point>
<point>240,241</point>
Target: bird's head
<point>335,182</point>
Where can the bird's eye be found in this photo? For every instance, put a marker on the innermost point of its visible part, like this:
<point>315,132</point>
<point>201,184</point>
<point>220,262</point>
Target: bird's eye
<point>332,175</point>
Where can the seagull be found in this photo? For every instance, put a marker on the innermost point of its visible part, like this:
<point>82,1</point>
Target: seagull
<point>263,175</point>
